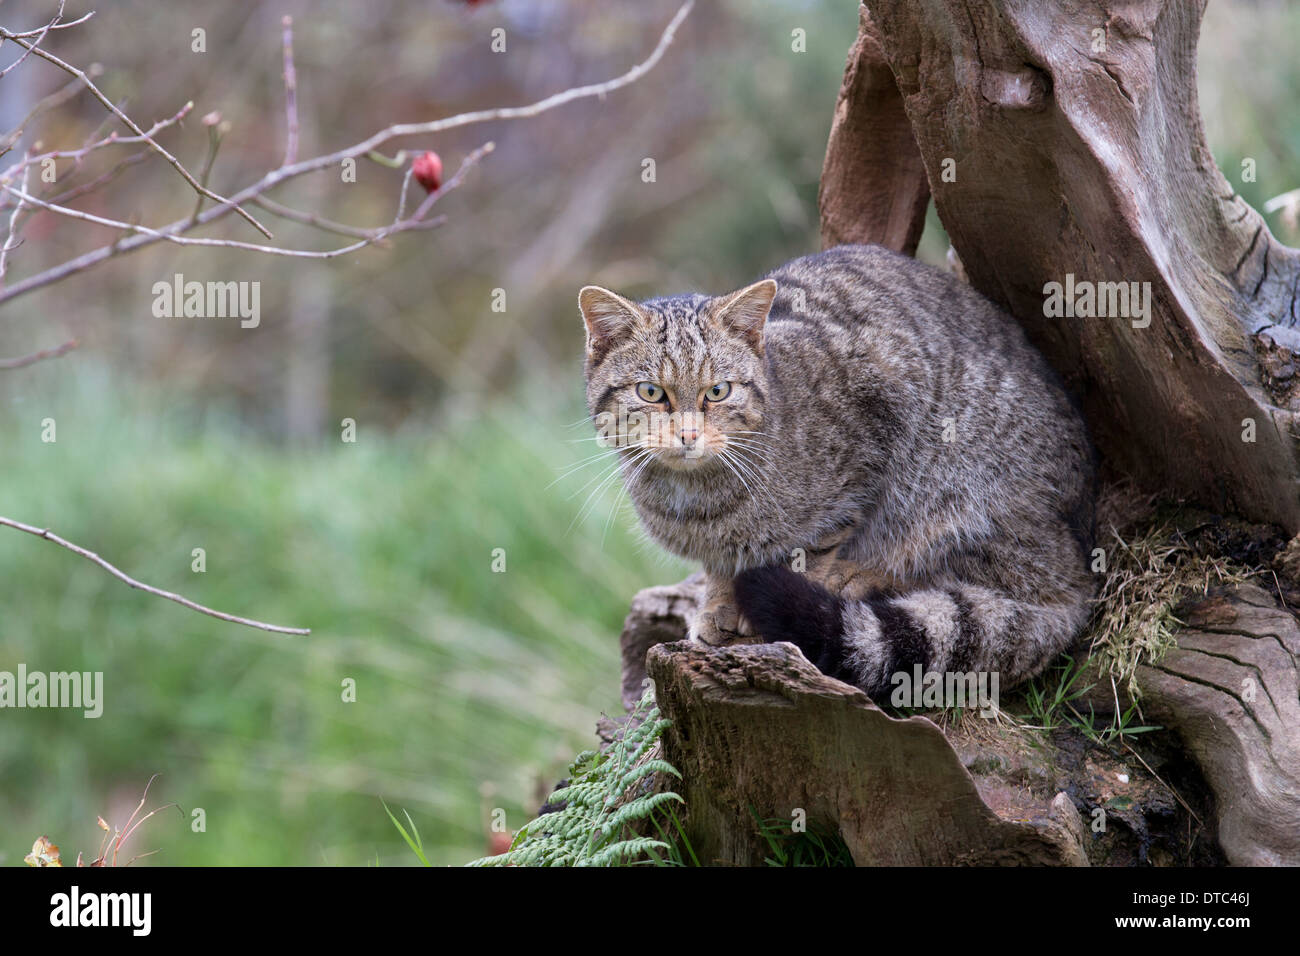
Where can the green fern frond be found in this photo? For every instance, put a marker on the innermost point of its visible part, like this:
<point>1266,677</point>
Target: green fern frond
<point>608,800</point>
<point>624,852</point>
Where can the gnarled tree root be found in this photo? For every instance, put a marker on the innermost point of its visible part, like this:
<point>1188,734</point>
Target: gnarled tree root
<point>1232,691</point>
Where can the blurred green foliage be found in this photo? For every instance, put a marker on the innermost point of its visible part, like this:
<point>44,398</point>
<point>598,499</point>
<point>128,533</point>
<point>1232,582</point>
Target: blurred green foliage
<point>474,688</point>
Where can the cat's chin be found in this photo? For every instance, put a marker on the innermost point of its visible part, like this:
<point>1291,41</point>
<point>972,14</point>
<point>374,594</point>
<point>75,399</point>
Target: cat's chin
<point>682,462</point>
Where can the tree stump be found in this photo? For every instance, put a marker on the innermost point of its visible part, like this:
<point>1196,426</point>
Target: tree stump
<point>758,730</point>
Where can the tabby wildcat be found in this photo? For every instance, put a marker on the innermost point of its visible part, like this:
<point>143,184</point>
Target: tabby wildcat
<point>859,397</point>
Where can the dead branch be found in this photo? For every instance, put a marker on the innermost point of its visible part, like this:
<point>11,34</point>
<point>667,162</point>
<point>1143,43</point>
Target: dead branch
<point>131,125</point>
<point>141,236</point>
<point>414,222</point>
<point>40,35</point>
<point>42,355</point>
<point>158,592</point>
<point>290,96</point>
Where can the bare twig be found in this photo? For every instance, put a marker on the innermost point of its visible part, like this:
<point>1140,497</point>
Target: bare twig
<point>312,219</point>
<point>371,236</point>
<point>77,155</point>
<point>120,836</point>
<point>215,132</point>
<point>40,35</point>
<point>130,123</point>
<point>56,26</point>
<point>406,187</point>
<point>144,237</point>
<point>290,96</point>
<point>405,225</point>
<point>49,102</point>
<point>186,602</point>
<point>1278,585</point>
<point>98,181</point>
<point>132,827</point>
<point>42,355</point>
<point>11,236</point>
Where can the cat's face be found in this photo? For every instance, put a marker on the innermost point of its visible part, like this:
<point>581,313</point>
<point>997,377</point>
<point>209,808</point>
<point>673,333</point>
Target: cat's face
<point>680,380</point>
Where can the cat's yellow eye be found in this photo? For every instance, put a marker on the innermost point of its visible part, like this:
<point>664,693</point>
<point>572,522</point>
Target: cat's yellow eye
<point>649,392</point>
<point>718,392</point>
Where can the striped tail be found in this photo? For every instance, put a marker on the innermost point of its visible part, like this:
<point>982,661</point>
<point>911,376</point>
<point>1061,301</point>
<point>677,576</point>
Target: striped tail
<point>952,629</point>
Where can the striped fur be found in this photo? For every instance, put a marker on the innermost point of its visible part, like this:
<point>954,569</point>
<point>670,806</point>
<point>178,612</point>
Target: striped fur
<point>948,627</point>
<point>874,401</point>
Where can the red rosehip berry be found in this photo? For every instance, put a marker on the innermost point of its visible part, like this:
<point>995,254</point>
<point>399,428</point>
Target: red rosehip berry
<point>428,170</point>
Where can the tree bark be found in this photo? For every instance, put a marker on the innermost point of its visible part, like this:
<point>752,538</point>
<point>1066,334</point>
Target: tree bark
<point>1063,141</point>
<point>873,188</point>
<point>1231,690</point>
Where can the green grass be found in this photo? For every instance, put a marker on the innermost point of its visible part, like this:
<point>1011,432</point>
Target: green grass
<point>813,846</point>
<point>412,837</point>
<point>1051,699</point>
<point>1050,693</point>
<point>474,688</point>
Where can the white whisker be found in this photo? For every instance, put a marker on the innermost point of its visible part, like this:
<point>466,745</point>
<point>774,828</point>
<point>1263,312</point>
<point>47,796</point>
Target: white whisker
<point>620,501</point>
<point>605,481</point>
<point>756,474</point>
<point>571,469</point>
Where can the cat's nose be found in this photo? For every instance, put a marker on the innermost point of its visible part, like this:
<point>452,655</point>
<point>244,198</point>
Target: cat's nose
<point>689,435</point>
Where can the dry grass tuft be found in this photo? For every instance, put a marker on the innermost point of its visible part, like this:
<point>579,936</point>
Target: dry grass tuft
<point>1150,569</point>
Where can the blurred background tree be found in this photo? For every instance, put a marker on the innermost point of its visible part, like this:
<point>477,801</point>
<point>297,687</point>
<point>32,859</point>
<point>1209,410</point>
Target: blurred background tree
<point>474,687</point>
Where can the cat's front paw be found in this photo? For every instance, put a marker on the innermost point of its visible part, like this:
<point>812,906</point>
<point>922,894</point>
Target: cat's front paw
<point>717,626</point>
<point>717,622</point>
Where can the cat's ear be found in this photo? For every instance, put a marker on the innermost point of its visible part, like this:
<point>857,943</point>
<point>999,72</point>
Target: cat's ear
<point>746,311</point>
<point>608,316</point>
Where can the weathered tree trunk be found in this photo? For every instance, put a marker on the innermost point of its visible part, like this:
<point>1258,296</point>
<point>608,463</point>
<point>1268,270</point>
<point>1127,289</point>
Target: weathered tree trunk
<point>873,185</point>
<point>1060,141</point>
